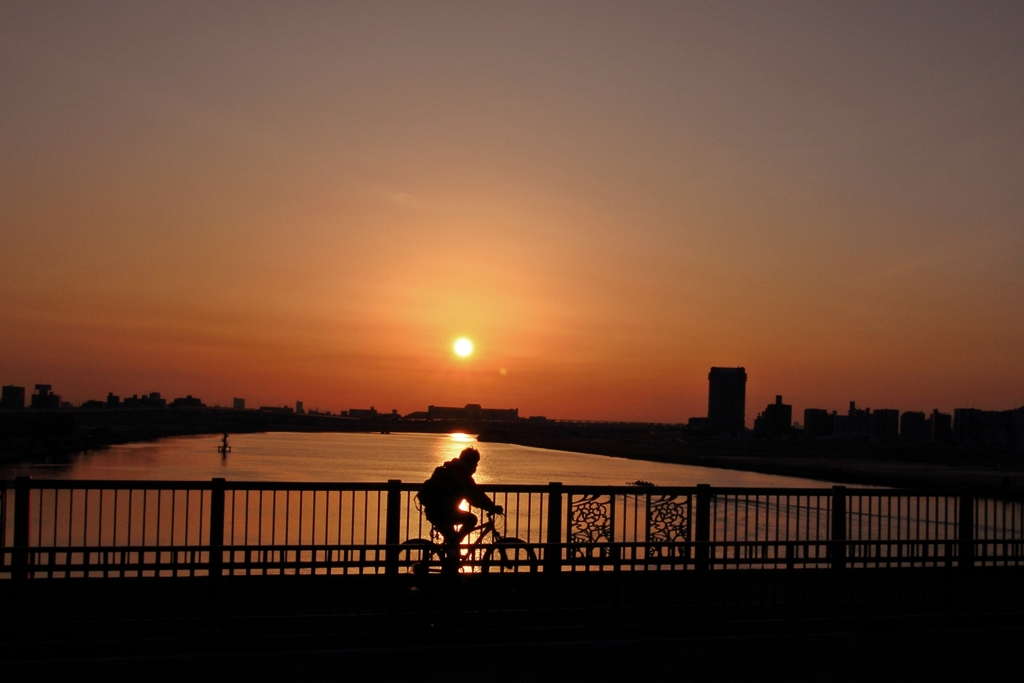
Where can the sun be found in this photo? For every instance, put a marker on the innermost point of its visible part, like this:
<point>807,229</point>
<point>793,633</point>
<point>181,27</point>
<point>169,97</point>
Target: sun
<point>463,347</point>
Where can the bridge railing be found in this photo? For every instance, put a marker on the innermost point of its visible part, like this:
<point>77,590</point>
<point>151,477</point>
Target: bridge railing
<point>63,528</point>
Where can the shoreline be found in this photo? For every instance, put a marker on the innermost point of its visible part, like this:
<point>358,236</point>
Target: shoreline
<point>48,435</point>
<point>892,473</point>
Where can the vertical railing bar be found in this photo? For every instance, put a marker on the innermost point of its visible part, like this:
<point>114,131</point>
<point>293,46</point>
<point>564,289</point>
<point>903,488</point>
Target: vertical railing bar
<point>56,517</point>
<point>203,526</point>
<point>288,517</point>
<point>529,518</point>
<point>131,507</point>
<point>259,519</point>
<point>734,500</point>
<point>746,516</point>
<point>352,519</point>
<point>85,521</point>
<point>113,540</point>
<point>366,517</point>
<point>341,513</point>
<point>99,520</point>
<point>273,517</point>
<point>796,521</point>
<point>159,513</point>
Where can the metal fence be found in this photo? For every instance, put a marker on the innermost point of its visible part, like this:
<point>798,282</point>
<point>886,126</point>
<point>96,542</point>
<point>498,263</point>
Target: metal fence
<point>60,528</point>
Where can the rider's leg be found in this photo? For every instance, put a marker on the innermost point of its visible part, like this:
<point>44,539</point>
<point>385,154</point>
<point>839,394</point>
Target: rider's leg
<point>453,539</point>
<point>467,520</point>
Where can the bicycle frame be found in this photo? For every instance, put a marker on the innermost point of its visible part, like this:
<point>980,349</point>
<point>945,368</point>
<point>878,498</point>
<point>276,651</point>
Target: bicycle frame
<point>490,551</point>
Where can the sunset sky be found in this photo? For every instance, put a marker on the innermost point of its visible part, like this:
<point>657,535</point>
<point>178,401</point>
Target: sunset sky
<point>314,200</point>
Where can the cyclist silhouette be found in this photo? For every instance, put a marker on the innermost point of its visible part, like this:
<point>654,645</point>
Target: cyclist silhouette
<point>443,493</point>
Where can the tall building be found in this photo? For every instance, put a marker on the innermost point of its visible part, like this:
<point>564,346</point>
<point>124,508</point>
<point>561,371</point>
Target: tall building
<point>44,399</point>
<point>987,427</point>
<point>942,426</point>
<point>887,424</point>
<point>776,420</point>
<point>727,398</point>
<point>914,426</point>
<point>818,422</point>
<point>13,398</point>
<point>239,404</point>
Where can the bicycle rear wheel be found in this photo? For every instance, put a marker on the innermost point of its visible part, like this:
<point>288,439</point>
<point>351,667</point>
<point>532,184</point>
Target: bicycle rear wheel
<point>510,555</point>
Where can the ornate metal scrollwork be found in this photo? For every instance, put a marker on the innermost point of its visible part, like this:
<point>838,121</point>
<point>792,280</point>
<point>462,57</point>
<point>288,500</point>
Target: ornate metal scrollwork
<point>590,523</point>
<point>668,522</point>
<point>668,519</point>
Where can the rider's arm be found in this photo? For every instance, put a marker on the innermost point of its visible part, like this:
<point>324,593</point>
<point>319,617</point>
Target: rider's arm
<point>476,496</point>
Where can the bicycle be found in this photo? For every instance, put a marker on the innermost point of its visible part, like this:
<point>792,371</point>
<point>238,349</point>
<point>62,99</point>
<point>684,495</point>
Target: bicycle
<point>490,551</point>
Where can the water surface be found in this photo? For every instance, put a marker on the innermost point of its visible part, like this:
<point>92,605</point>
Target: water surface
<point>290,456</point>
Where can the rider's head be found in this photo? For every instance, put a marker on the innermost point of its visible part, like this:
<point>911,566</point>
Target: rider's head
<point>470,457</point>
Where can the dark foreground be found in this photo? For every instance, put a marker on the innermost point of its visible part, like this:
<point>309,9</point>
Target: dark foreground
<point>796,625</point>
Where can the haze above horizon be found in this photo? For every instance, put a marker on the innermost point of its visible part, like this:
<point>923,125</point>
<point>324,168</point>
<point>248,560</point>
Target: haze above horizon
<point>315,202</point>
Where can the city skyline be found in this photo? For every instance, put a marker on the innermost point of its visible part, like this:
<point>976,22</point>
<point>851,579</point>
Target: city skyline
<point>726,408</point>
<point>315,203</point>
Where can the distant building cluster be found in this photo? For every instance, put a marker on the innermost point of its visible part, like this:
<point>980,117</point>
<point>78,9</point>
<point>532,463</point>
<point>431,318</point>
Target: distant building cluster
<point>13,398</point>
<point>472,412</point>
<point>727,387</point>
<point>971,426</point>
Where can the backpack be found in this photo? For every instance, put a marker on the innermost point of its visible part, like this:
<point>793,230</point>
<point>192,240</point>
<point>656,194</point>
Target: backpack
<point>441,486</point>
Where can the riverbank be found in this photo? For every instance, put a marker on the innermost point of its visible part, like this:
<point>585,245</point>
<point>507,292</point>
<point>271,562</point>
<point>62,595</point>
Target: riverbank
<point>870,469</point>
<point>35,435</point>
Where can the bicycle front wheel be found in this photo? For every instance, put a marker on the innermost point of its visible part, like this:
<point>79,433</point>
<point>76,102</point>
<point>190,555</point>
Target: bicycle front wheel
<point>510,555</point>
<point>417,556</point>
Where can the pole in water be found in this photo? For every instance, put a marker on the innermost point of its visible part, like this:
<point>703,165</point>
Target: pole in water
<point>224,448</point>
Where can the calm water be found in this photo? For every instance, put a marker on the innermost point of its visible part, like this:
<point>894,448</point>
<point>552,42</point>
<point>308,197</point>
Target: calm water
<point>286,456</point>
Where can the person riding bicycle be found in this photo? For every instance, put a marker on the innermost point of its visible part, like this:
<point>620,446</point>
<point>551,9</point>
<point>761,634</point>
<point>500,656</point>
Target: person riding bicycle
<point>443,493</point>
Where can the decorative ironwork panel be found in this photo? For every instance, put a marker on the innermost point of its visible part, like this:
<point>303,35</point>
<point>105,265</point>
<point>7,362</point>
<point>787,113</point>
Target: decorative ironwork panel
<point>590,519</point>
<point>668,519</point>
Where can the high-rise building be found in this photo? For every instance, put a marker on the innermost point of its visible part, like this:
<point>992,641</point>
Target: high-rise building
<point>818,422</point>
<point>942,426</point>
<point>987,427</point>
<point>887,424</point>
<point>776,420</point>
<point>727,398</point>
<point>914,426</point>
<point>13,398</point>
<point>298,408</point>
<point>44,399</point>
<point>239,404</point>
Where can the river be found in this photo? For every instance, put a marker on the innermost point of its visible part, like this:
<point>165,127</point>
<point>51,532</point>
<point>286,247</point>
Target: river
<point>347,457</point>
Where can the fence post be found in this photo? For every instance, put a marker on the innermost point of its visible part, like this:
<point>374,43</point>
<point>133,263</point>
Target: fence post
<point>216,526</point>
<point>393,519</point>
<point>22,491</point>
<point>553,551</point>
<point>838,536</point>
<point>702,528</point>
<point>965,531</point>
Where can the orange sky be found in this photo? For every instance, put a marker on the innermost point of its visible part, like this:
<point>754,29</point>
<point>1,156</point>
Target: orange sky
<point>280,203</point>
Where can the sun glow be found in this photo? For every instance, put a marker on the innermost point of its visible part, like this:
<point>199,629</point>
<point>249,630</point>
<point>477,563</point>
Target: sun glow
<point>463,347</point>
